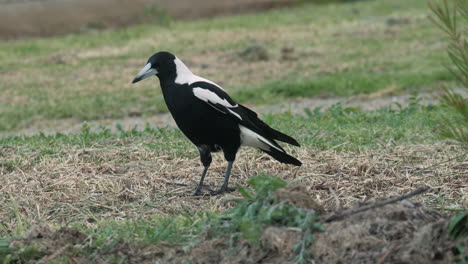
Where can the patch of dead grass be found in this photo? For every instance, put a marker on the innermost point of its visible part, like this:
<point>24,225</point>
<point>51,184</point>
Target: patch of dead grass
<point>126,181</point>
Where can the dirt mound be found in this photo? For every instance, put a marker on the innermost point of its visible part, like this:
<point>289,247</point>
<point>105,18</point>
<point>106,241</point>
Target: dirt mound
<point>42,244</point>
<point>401,232</point>
<point>397,233</point>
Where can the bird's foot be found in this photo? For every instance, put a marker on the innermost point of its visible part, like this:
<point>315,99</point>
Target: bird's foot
<point>198,191</point>
<point>223,189</point>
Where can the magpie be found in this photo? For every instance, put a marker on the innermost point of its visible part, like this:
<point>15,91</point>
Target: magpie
<point>209,118</point>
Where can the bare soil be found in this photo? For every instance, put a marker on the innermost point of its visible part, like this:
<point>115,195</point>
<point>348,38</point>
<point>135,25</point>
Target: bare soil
<point>33,18</point>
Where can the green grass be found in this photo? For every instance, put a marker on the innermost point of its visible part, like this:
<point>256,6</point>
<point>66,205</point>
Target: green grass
<point>339,50</point>
<point>340,84</point>
<point>107,235</point>
<point>317,128</point>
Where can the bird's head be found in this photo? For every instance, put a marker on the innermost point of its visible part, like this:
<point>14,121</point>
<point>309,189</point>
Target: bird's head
<point>161,64</point>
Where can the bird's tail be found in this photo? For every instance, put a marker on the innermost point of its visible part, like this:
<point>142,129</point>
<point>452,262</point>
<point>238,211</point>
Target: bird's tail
<point>280,136</point>
<point>283,157</point>
<point>271,132</point>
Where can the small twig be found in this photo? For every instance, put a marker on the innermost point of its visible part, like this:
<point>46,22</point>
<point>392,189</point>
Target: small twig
<point>366,207</point>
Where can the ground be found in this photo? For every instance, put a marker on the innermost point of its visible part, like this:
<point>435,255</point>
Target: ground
<point>356,84</point>
<point>39,18</point>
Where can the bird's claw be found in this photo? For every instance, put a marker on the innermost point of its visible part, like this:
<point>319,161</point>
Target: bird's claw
<point>198,191</point>
<point>223,190</point>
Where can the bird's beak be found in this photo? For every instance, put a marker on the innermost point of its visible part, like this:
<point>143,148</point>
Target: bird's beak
<point>146,72</point>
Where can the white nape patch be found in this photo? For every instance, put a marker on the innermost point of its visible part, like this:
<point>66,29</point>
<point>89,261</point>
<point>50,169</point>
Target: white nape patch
<point>209,96</point>
<point>185,76</point>
<point>252,139</point>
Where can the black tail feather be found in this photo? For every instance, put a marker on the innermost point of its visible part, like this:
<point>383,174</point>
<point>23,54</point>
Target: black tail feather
<point>271,133</point>
<point>283,157</point>
<point>280,136</point>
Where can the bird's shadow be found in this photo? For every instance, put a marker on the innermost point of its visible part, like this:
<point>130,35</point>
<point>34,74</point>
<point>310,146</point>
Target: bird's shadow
<point>183,190</point>
<point>188,190</point>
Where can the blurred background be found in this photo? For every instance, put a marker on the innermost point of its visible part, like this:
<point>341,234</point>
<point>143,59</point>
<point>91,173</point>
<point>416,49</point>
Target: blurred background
<point>27,18</point>
<point>63,62</point>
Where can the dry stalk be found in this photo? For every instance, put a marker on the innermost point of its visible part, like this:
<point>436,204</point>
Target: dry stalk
<point>352,211</point>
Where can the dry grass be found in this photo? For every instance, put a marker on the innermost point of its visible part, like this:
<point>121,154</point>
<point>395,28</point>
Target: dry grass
<point>131,182</point>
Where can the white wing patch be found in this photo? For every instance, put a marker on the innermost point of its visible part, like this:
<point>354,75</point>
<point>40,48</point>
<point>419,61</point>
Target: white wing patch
<point>207,95</point>
<point>252,139</point>
<point>185,76</point>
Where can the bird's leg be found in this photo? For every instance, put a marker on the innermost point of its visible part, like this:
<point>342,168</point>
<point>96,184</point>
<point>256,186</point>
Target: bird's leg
<point>226,176</point>
<point>198,190</point>
<point>225,188</point>
<point>205,157</point>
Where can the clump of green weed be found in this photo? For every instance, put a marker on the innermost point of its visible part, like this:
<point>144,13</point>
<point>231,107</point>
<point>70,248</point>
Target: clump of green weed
<point>459,233</point>
<point>261,208</point>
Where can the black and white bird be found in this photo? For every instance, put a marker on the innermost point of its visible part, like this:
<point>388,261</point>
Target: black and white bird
<point>209,118</point>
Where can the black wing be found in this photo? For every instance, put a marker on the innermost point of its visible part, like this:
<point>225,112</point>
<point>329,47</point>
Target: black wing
<point>217,98</point>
